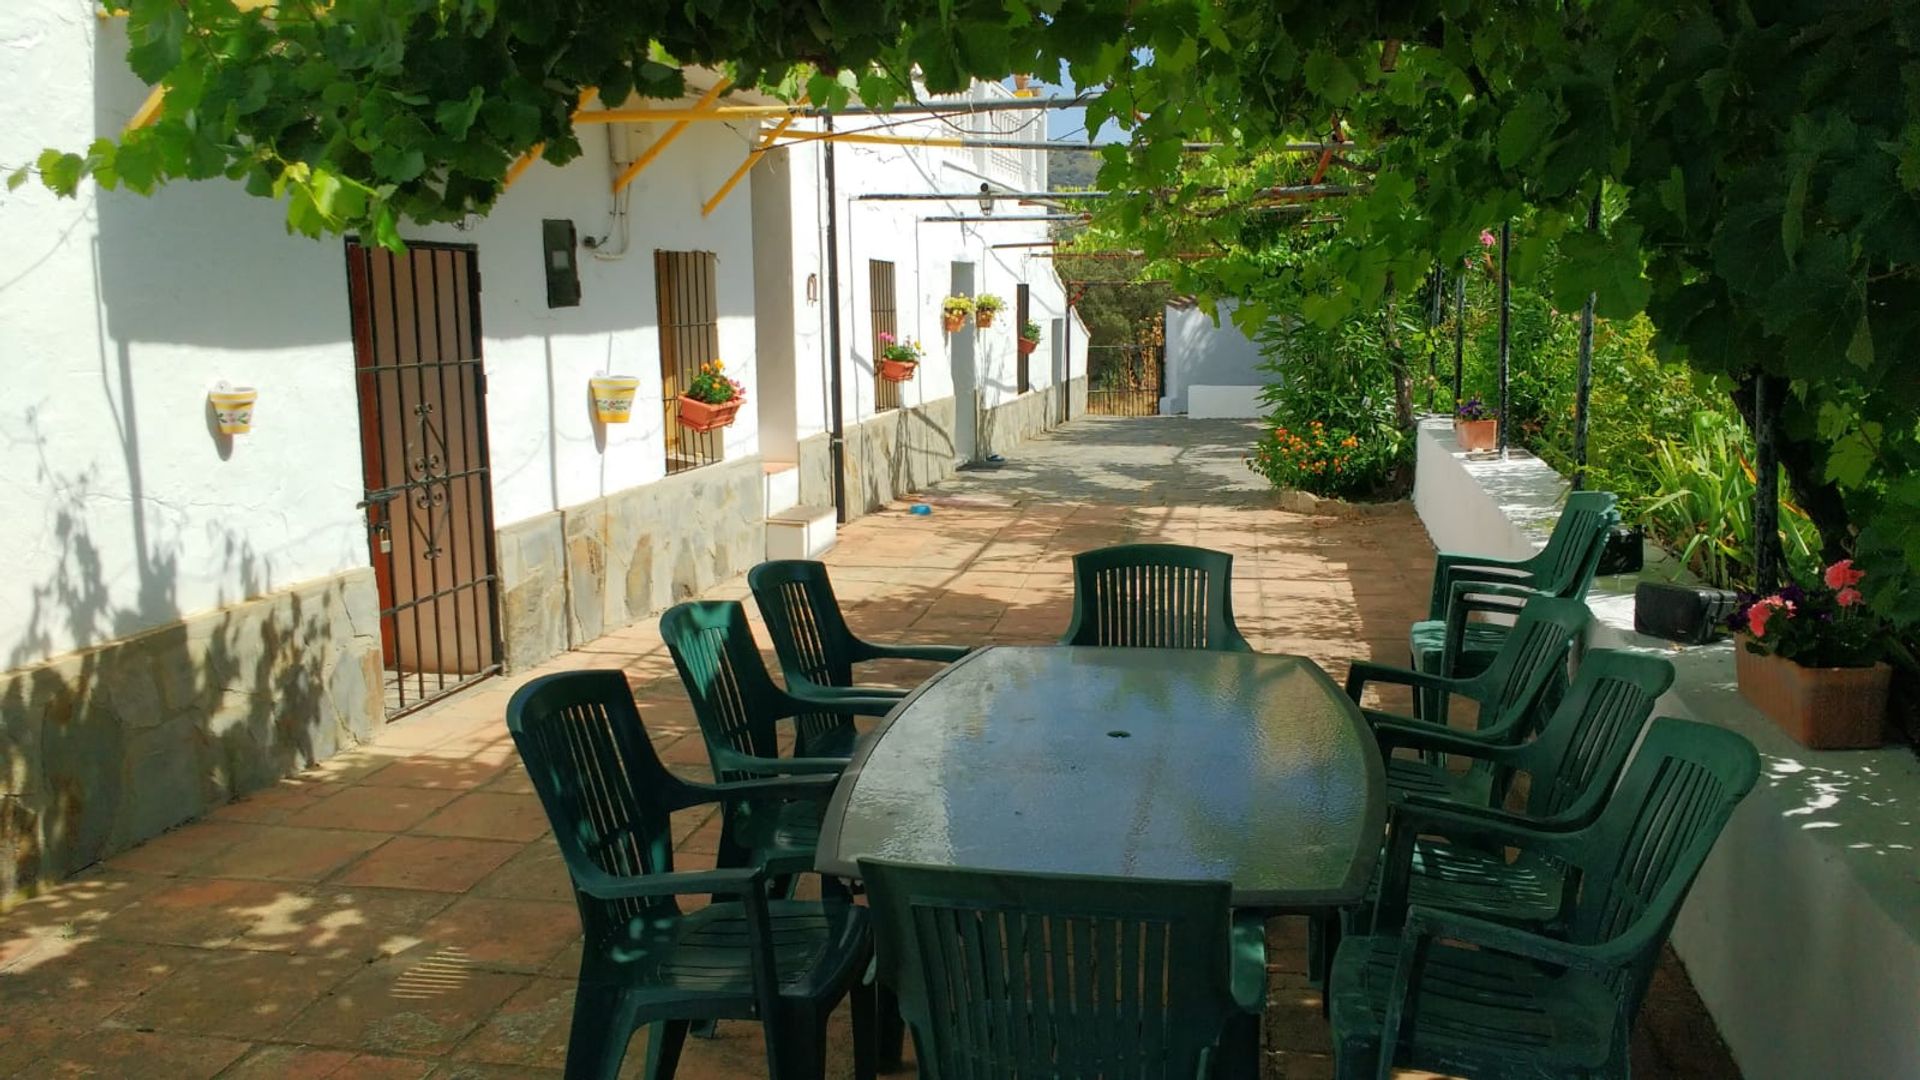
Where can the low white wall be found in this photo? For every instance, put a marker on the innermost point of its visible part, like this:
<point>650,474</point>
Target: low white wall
<point>1802,934</point>
<point>1224,402</point>
<point>1200,353</point>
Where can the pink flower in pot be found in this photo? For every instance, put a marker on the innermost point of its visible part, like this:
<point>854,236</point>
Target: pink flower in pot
<point>1842,575</point>
<point>1763,610</point>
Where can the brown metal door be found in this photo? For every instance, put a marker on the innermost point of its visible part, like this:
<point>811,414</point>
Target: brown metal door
<point>423,439</point>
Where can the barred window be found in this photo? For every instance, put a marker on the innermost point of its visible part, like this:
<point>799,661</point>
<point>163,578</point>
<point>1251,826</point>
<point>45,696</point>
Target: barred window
<point>689,337</point>
<point>1020,316</point>
<point>885,318</point>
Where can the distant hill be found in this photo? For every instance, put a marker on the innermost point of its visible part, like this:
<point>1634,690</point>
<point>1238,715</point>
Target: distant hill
<point>1071,169</point>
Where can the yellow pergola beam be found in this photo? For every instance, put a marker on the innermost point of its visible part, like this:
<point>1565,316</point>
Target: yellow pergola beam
<point>149,109</point>
<point>882,140</point>
<point>689,114</point>
<point>646,158</point>
<point>766,143</point>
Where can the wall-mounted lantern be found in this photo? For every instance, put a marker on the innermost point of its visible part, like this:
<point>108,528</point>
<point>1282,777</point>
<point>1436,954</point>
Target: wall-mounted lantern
<point>986,197</point>
<point>233,408</point>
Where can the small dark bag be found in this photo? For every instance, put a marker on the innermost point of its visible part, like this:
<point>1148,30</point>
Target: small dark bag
<point>1625,551</point>
<point>1690,614</point>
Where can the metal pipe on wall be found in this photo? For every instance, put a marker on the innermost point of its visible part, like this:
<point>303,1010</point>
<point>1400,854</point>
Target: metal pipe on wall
<point>1506,327</point>
<point>836,439</point>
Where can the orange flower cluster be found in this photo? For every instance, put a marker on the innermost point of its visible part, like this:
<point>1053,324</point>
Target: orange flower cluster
<point>1311,453</point>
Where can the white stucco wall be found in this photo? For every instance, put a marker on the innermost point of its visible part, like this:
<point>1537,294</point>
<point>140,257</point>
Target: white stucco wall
<point>117,314</point>
<point>1200,353</point>
<point>548,452</point>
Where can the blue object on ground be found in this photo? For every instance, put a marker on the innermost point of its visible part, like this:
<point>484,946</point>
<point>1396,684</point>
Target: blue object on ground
<point>995,458</point>
<point>920,508</point>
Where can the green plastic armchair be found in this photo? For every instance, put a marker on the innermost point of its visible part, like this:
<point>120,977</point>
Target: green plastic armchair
<point>1463,995</point>
<point>816,648</point>
<point>1030,975</point>
<point>1571,767</point>
<point>1508,691</point>
<point>1450,642</point>
<point>644,960</point>
<point>738,707</point>
<point>1160,596</point>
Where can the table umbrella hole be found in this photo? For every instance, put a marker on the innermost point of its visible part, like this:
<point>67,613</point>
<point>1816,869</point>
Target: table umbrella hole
<point>1119,734</point>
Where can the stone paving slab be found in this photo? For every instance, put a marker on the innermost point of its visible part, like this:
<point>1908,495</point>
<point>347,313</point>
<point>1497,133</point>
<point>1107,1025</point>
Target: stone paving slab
<point>400,911</point>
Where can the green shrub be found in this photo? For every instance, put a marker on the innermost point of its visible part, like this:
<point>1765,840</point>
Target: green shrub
<point>1331,409</point>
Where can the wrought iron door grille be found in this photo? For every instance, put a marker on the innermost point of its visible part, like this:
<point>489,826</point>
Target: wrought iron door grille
<point>885,316</point>
<point>1123,380</point>
<point>429,496</point>
<point>689,336</point>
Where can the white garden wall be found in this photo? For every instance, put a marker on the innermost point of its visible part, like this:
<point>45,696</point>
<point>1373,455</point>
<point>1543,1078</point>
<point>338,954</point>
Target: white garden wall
<point>1201,353</point>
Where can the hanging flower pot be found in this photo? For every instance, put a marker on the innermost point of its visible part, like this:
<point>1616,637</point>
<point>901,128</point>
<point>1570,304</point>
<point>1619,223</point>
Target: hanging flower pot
<point>898,370</point>
<point>233,408</point>
<point>1027,345</point>
<point>613,397</point>
<point>1029,337</point>
<point>712,399</point>
<point>697,415</point>
<point>1475,427</point>
<point>899,358</point>
<point>954,311</point>
<point>985,307</point>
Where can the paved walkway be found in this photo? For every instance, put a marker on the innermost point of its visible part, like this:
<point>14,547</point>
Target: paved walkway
<point>400,912</point>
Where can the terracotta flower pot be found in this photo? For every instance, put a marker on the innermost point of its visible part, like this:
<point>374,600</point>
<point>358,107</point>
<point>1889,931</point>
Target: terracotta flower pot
<point>983,319</point>
<point>898,370</point>
<point>1027,345</point>
<point>1476,434</point>
<point>953,321</point>
<point>705,416</point>
<point>613,397</point>
<point>1822,708</point>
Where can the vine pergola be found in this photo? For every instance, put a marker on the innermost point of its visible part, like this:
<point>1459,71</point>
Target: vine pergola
<point>1765,156</point>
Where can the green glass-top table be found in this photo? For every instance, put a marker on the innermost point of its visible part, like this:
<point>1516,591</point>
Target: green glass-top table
<point>1153,763</point>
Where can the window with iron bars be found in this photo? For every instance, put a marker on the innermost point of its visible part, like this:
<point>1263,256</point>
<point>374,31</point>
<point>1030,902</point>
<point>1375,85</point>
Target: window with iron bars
<point>885,317</point>
<point>1020,316</point>
<point>689,337</point>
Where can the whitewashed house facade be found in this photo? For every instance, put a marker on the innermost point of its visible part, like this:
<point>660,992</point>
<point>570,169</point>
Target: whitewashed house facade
<point>425,496</point>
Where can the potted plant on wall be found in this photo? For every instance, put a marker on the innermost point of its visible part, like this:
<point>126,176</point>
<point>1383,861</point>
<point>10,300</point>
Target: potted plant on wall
<point>985,307</point>
<point>613,397</point>
<point>899,358</point>
<point>1475,427</point>
<point>711,400</point>
<point>954,311</point>
<point>1809,656</point>
<point>1029,337</point>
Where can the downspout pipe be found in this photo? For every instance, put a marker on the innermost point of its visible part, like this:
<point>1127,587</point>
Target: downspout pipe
<point>837,432</point>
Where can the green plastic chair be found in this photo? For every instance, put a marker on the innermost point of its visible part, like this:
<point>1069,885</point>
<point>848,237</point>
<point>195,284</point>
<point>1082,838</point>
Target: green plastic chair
<point>816,648</point>
<point>739,707</point>
<point>1509,690</point>
<point>1030,975</point>
<point>644,960</point>
<point>1571,767</point>
<point>1157,596</point>
<point>1458,994</point>
<point>1449,642</point>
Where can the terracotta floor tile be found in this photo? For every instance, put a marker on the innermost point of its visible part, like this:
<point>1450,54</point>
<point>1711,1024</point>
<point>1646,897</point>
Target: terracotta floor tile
<point>438,864</point>
<point>383,809</point>
<point>208,913</point>
<point>273,805</point>
<point>488,816</point>
<point>359,924</point>
<point>505,935</point>
<point>283,853</point>
<point>536,873</point>
<point>235,994</point>
<point>86,983</point>
<point>287,1062</point>
<point>530,1029</point>
<point>414,1006</point>
<point>180,849</point>
<point>139,1055</point>
<point>434,769</point>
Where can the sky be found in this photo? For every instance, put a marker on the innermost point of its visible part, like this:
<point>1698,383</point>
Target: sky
<point>1070,125</point>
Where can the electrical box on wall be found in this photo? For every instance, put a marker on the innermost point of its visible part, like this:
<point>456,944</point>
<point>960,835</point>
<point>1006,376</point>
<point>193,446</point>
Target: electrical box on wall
<point>563,265</point>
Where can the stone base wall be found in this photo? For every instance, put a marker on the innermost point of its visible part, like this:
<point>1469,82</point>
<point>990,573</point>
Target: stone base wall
<point>1011,423</point>
<point>899,451</point>
<point>1077,398</point>
<point>103,748</point>
<point>570,576</point>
